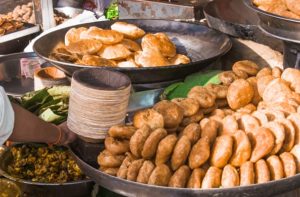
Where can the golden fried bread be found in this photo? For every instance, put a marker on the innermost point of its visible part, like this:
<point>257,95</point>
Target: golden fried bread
<point>129,30</point>
<point>148,117</point>
<point>114,52</point>
<point>131,45</point>
<point>129,63</point>
<point>159,42</point>
<point>230,177</point>
<point>104,35</point>
<point>180,59</point>
<point>84,47</point>
<point>180,177</point>
<point>151,58</point>
<point>93,60</point>
<point>73,35</point>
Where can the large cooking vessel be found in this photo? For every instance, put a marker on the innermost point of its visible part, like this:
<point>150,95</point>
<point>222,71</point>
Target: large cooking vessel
<point>201,44</point>
<point>129,188</point>
<point>36,189</point>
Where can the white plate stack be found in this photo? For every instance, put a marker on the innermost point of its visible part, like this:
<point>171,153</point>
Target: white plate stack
<point>98,100</point>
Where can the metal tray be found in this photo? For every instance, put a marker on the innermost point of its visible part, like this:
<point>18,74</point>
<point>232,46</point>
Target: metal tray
<point>18,40</point>
<point>36,189</point>
<point>129,188</point>
<point>201,44</point>
<point>280,27</point>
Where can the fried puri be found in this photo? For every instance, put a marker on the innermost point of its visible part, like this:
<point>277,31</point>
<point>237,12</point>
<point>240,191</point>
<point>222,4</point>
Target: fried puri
<point>148,117</point>
<point>195,180</point>
<point>262,172</point>
<point>192,131</point>
<point>171,112</point>
<point>73,35</point>
<point>116,146</point>
<point>247,174</point>
<point>262,83</point>
<point>229,125</point>
<point>209,129</point>
<point>180,177</point>
<point>122,172</point>
<point>230,177</point>
<point>279,134</point>
<point>129,30</point>
<point>289,164</point>
<point>190,106</point>
<point>165,149</point>
<point>145,172</point>
<point>289,131</point>
<point>227,77</point>
<point>192,119</point>
<point>138,140</point>
<point>133,169</point>
<point>296,153</point>
<point>275,167</point>
<point>219,90</point>
<point>160,175</point>
<point>151,143</point>
<point>181,152</point>
<point>84,47</point>
<point>241,149</point>
<point>121,131</point>
<point>256,97</point>
<point>212,178</point>
<point>114,52</point>
<point>106,36</point>
<point>264,72</point>
<point>295,120</point>
<point>108,160</point>
<point>262,144</point>
<point>240,93</point>
<point>93,60</point>
<point>248,123</point>
<point>221,151</point>
<point>200,153</point>
<point>244,69</point>
<point>204,97</point>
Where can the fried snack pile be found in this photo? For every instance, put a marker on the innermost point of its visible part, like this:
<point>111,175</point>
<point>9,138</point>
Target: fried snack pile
<point>117,47</point>
<point>25,13</point>
<point>286,8</point>
<point>43,164</point>
<point>244,131</point>
<point>9,26</point>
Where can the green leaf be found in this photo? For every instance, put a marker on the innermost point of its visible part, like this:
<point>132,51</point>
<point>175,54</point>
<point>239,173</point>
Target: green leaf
<point>197,79</point>
<point>49,116</point>
<point>60,91</point>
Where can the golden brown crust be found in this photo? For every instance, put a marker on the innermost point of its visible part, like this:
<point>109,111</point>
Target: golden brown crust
<point>275,167</point>
<point>84,47</point>
<point>192,131</point>
<point>165,149</point>
<point>148,117</point>
<point>180,177</point>
<point>230,177</point>
<point>151,143</point>
<point>108,160</point>
<point>181,152</point>
<point>160,175</point>
<point>145,172</point>
<point>121,131</point>
<point>133,169</point>
<point>262,172</point>
<point>221,151</point>
<point>116,146</point>
<point>212,178</point>
<point>129,30</point>
<point>138,139</point>
<point>289,164</point>
<point>195,179</point>
<point>200,153</point>
<point>247,174</point>
<point>241,149</point>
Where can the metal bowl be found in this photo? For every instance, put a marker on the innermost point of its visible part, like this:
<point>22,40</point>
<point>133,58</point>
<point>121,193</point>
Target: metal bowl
<point>74,189</point>
<point>129,188</point>
<point>203,45</point>
<point>280,27</point>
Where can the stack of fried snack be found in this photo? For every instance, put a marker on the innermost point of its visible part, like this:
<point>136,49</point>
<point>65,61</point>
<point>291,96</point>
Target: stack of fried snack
<point>9,26</point>
<point>118,47</point>
<point>242,132</point>
<point>286,8</point>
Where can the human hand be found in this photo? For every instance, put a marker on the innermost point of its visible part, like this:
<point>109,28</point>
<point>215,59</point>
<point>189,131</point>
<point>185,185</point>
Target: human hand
<point>67,135</point>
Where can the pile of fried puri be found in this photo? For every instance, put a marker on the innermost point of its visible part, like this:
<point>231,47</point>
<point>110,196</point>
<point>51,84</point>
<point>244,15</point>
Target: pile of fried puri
<point>242,132</point>
<point>8,26</point>
<point>118,47</point>
<point>286,8</point>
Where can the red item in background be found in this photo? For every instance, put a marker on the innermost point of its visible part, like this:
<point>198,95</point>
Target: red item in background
<point>89,5</point>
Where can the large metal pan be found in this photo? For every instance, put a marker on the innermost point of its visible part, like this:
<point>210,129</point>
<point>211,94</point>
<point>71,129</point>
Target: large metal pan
<point>35,189</point>
<point>129,188</point>
<point>201,44</point>
<point>283,28</point>
<point>225,16</point>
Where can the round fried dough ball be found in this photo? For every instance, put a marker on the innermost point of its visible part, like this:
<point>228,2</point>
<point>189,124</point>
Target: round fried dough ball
<point>171,112</point>
<point>245,68</point>
<point>148,117</point>
<point>227,77</point>
<point>204,97</point>
<point>190,106</point>
<point>240,93</point>
<point>116,146</point>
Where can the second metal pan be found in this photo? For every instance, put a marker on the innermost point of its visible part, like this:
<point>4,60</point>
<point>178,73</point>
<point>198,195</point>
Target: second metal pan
<point>129,188</point>
<point>201,44</point>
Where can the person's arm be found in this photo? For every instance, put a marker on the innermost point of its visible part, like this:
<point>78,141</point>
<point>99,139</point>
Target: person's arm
<point>30,128</point>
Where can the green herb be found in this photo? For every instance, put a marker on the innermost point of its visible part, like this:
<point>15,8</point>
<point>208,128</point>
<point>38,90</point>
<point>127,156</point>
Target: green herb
<point>50,104</point>
<point>112,12</point>
<point>181,89</point>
